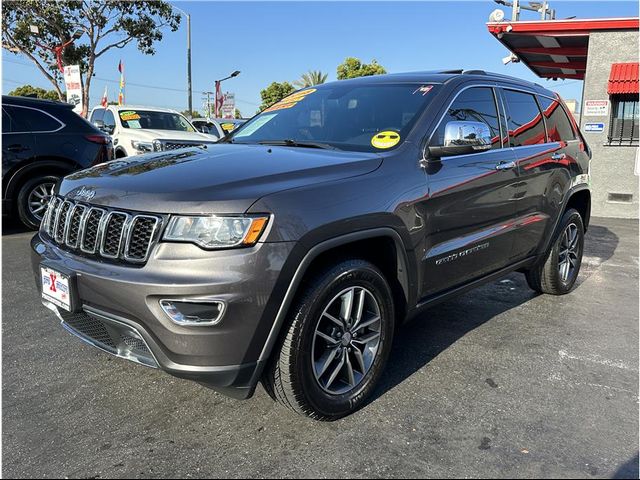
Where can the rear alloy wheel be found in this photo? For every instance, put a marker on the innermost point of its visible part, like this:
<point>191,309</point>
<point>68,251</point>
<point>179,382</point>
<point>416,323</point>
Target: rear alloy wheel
<point>33,199</point>
<point>336,343</point>
<point>558,273</point>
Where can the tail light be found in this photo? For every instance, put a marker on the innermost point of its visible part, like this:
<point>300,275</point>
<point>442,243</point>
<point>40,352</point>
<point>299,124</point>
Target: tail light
<point>100,139</point>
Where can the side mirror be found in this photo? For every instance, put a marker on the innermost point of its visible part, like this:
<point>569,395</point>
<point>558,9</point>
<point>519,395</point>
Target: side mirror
<point>108,129</point>
<point>461,138</point>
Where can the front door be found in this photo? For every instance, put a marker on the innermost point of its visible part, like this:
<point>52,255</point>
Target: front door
<point>471,203</point>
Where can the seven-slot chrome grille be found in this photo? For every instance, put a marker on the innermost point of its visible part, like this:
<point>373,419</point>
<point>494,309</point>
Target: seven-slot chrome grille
<point>101,232</point>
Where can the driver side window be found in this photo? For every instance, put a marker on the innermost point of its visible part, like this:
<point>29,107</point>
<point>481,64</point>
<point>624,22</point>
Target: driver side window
<point>477,104</point>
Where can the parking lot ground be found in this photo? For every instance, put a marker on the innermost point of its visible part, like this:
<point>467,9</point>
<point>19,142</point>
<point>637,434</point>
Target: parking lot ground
<point>500,382</point>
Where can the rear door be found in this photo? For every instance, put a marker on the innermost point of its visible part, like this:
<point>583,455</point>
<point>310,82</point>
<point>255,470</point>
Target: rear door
<point>541,138</point>
<point>471,203</point>
<point>18,143</point>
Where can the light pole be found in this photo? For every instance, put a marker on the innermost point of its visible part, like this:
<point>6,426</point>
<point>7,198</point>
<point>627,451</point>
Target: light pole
<point>57,49</point>
<point>188,57</point>
<point>219,89</point>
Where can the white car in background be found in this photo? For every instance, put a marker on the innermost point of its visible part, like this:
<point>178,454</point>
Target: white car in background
<point>139,129</point>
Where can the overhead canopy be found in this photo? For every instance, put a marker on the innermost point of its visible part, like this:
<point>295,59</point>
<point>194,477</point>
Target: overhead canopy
<point>623,78</point>
<point>555,48</point>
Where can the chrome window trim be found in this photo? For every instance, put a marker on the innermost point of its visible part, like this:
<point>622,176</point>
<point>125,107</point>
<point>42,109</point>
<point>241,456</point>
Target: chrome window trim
<point>102,215</point>
<point>62,124</point>
<point>127,219</point>
<point>494,86</point>
<point>127,244</point>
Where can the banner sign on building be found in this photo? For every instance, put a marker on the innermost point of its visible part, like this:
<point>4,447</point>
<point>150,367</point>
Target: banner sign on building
<point>596,108</point>
<point>73,84</point>
<point>229,105</point>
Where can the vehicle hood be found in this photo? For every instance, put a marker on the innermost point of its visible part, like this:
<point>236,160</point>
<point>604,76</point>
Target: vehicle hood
<point>221,178</point>
<point>151,134</point>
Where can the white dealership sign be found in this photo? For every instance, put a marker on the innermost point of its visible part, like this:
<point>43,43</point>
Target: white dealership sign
<point>73,84</point>
<point>229,105</point>
<point>596,108</point>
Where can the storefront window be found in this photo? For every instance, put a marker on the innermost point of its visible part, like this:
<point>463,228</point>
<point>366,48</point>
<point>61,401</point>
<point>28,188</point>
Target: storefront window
<point>623,127</point>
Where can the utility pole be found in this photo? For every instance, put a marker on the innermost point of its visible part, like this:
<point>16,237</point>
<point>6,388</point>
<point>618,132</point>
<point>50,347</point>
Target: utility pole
<point>189,63</point>
<point>208,94</point>
<point>190,101</point>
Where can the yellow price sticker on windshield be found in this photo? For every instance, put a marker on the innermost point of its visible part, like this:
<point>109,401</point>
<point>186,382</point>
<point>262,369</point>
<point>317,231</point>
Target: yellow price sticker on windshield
<point>227,127</point>
<point>386,139</point>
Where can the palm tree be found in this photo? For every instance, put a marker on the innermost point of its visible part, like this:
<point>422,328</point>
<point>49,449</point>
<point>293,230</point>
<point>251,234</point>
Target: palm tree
<point>311,78</point>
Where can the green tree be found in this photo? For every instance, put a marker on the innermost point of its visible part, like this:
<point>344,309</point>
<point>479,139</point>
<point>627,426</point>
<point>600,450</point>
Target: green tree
<point>104,25</point>
<point>353,67</point>
<point>193,114</point>
<point>237,114</point>
<point>29,91</point>
<point>311,78</point>
<point>274,93</point>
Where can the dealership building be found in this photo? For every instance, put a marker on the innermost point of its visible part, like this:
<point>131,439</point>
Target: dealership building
<point>604,54</point>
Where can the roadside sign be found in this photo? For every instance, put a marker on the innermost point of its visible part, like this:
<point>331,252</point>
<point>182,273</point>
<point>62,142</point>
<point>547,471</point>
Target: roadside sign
<point>229,105</point>
<point>596,108</point>
<point>594,127</point>
<point>73,85</point>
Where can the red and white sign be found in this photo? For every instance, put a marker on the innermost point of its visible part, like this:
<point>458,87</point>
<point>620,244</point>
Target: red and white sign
<point>596,108</point>
<point>73,84</point>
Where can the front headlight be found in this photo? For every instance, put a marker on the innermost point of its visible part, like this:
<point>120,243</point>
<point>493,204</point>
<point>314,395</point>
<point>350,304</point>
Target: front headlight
<point>142,147</point>
<point>216,232</point>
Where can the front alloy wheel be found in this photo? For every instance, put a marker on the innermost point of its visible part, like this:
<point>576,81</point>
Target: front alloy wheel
<point>336,342</point>
<point>347,339</point>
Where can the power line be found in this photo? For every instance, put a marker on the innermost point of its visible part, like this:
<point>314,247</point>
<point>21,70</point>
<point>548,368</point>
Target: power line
<point>134,84</point>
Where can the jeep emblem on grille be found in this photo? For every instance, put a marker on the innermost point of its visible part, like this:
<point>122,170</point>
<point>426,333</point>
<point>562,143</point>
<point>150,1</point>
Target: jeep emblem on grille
<point>85,193</point>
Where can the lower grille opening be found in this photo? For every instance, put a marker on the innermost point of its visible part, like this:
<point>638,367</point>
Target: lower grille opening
<point>113,337</point>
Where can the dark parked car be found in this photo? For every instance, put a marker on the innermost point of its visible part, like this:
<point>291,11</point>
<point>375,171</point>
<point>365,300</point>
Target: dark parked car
<point>290,252</point>
<point>41,142</point>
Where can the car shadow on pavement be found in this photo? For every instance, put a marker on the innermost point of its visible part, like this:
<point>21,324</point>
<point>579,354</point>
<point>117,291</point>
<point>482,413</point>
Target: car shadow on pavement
<point>629,469</point>
<point>11,226</point>
<point>436,328</point>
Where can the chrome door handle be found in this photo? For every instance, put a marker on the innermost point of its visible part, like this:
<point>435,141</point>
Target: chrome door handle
<point>558,156</point>
<point>505,165</point>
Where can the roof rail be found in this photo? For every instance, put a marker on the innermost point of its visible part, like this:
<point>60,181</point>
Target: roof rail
<point>474,72</point>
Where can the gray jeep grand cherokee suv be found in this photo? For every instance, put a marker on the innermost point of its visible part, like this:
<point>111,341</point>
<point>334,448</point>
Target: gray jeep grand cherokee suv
<point>289,253</point>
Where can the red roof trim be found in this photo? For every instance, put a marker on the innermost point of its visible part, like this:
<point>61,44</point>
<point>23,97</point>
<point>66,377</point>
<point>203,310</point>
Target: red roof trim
<point>565,26</point>
<point>623,78</point>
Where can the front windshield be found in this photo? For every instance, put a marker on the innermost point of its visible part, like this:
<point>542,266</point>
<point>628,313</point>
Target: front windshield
<point>154,120</point>
<point>361,117</point>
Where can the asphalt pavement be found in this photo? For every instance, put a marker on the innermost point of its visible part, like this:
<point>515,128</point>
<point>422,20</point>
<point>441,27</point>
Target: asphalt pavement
<point>500,382</point>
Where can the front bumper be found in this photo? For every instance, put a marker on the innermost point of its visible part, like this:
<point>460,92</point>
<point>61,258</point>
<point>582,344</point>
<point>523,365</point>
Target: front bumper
<point>119,312</point>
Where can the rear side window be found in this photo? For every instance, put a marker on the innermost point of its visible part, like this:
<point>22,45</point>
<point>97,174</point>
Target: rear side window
<point>524,119</point>
<point>97,114</point>
<point>558,125</point>
<point>476,104</point>
<point>25,119</point>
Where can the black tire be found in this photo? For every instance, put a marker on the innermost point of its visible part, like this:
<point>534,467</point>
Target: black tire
<point>547,276</point>
<point>291,378</point>
<point>26,194</point>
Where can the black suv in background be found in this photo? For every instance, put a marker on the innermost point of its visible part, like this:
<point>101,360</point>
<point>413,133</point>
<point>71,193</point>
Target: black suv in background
<point>290,251</point>
<point>41,142</point>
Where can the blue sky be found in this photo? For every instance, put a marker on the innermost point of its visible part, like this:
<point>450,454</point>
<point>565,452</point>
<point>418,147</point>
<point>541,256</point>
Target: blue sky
<point>277,41</point>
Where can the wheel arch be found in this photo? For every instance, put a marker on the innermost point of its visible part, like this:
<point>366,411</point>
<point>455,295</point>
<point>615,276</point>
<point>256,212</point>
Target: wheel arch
<point>39,166</point>
<point>359,244</point>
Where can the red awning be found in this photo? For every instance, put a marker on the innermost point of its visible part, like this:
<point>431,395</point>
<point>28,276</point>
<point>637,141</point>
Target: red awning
<point>623,78</point>
<point>556,48</point>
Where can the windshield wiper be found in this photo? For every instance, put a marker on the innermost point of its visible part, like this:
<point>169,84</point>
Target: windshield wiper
<point>297,143</point>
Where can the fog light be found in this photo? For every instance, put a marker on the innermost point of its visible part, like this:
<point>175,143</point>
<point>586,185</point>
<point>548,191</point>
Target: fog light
<point>201,313</point>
